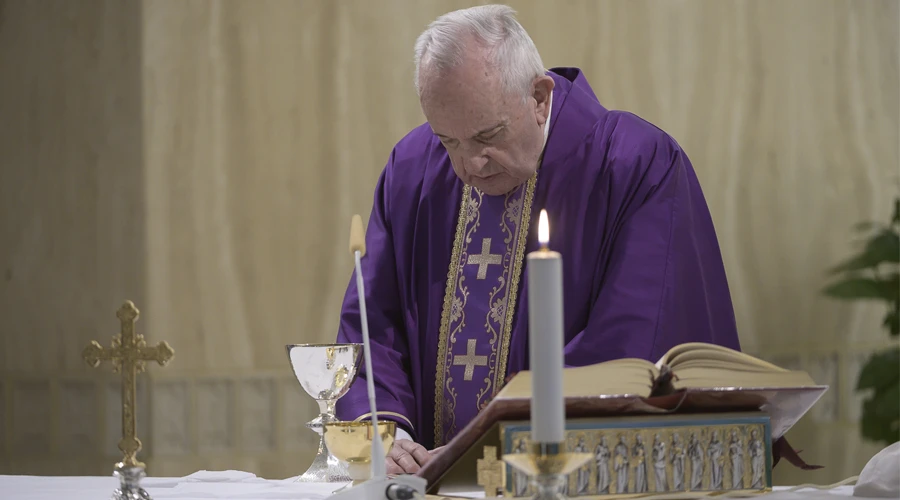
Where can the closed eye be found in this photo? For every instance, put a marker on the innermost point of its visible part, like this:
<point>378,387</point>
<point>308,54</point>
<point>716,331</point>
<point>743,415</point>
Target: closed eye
<point>490,135</point>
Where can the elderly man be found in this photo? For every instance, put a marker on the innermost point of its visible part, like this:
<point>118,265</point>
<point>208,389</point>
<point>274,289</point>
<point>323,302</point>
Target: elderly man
<point>455,212</point>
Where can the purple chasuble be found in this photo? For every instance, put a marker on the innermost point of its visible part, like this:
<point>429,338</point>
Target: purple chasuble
<point>446,278</point>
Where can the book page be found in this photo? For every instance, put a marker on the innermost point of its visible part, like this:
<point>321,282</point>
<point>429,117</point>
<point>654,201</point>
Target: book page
<point>714,356</point>
<point>696,365</point>
<point>701,365</point>
<point>627,376</point>
<point>704,378</point>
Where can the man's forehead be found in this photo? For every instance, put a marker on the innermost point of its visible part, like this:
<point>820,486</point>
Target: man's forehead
<point>460,90</point>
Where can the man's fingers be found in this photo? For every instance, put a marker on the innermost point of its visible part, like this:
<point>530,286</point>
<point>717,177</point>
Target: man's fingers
<point>408,463</point>
<point>403,459</point>
<point>409,456</point>
<point>391,466</point>
<point>418,452</point>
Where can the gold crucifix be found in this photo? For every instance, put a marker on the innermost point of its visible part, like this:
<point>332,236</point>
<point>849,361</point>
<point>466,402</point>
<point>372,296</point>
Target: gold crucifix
<point>128,353</point>
<point>469,359</point>
<point>490,472</point>
<point>484,259</point>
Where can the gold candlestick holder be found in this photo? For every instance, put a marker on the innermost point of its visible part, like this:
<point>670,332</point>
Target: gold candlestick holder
<point>548,465</point>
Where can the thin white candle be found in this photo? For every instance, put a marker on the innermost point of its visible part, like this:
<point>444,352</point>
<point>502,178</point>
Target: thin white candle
<point>358,249</point>
<point>545,336</point>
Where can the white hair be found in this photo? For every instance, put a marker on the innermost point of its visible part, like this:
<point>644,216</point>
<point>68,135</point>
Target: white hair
<point>442,45</point>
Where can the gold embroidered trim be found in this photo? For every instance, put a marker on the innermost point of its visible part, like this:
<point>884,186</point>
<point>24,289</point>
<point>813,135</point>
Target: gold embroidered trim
<point>458,305</point>
<point>449,294</point>
<point>515,276</point>
<point>387,414</point>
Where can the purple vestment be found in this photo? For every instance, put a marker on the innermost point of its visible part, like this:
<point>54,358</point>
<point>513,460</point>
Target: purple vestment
<point>446,277</point>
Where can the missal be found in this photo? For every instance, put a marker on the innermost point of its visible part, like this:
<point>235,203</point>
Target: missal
<point>694,365</point>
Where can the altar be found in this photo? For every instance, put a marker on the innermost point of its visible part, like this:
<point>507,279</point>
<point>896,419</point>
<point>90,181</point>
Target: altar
<point>511,438</point>
<point>247,486</point>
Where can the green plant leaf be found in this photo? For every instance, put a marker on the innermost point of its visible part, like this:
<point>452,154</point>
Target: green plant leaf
<point>892,322</point>
<point>876,427</point>
<point>891,285</point>
<point>855,263</point>
<point>865,226</point>
<point>880,419</point>
<point>880,376</point>
<point>886,401</point>
<point>859,288</point>
<point>882,248</point>
<point>881,370</point>
<point>885,246</point>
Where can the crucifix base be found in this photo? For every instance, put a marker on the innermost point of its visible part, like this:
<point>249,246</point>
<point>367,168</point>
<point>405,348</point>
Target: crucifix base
<point>129,483</point>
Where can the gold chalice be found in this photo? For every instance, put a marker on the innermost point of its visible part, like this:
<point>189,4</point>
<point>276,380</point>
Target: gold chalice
<point>325,371</point>
<point>351,442</point>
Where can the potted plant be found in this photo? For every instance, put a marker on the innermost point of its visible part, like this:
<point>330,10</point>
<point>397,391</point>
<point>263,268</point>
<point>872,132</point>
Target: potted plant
<point>872,274</point>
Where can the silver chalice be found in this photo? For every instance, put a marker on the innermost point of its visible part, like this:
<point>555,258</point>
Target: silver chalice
<point>325,371</point>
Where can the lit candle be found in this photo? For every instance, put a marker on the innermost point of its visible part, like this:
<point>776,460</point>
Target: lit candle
<point>545,336</point>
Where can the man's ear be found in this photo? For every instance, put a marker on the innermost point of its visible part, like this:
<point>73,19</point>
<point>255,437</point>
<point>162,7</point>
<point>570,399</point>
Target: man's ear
<point>543,88</point>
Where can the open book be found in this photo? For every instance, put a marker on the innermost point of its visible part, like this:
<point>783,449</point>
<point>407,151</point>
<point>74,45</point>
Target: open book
<point>695,365</point>
<point>707,379</point>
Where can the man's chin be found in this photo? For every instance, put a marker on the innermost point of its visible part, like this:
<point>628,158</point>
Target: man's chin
<point>495,186</point>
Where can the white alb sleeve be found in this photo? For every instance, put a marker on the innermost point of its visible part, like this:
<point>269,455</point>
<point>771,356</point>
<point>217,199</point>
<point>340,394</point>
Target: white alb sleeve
<point>401,434</point>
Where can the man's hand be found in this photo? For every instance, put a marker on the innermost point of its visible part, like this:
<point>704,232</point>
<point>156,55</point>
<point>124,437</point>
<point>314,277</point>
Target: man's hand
<point>407,457</point>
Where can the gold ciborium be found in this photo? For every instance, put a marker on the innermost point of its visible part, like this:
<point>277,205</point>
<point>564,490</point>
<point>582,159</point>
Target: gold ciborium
<point>325,371</point>
<point>351,442</point>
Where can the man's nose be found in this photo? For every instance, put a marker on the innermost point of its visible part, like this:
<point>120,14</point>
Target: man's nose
<point>475,164</point>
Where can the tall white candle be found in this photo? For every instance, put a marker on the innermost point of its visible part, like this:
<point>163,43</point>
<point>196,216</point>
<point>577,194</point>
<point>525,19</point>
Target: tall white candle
<point>545,336</point>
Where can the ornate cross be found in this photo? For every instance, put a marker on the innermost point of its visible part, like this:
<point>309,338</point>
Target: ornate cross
<point>484,259</point>
<point>128,353</point>
<point>490,472</point>
<point>470,359</point>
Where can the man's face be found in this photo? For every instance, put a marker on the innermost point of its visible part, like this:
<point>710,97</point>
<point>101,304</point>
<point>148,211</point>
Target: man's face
<point>494,137</point>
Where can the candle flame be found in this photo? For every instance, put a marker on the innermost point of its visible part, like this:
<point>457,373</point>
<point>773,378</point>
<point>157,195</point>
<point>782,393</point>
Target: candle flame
<point>543,229</point>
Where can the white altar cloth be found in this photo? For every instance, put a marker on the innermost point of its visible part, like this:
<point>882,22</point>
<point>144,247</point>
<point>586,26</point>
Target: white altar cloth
<point>246,486</point>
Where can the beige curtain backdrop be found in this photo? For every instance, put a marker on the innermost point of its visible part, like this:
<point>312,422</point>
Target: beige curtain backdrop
<point>203,158</point>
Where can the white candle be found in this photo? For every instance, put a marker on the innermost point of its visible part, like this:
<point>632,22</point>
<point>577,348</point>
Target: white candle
<point>545,336</point>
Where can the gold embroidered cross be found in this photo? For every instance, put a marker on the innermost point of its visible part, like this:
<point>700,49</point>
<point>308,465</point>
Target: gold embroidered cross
<point>490,472</point>
<point>128,353</point>
<point>484,259</point>
<point>470,359</point>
